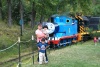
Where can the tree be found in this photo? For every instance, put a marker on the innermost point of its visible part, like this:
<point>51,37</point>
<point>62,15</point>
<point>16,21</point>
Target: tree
<point>45,8</point>
<point>95,7</point>
<point>41,10</point>
<point>33,14</point>
<point>9,13</point>
<point>21,13</point>
<point>1,10</point>
<point>15,11</point>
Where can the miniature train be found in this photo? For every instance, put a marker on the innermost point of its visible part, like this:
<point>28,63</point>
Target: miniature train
<point>65,30</point>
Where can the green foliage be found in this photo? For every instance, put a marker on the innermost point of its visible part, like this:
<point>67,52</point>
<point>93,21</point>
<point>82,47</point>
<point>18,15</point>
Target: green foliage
<point>95,8</point>
<point>90,30</point>
<point>8,36</point>
<point>97,34</point>
<point>15,10</point>
<point>99,26</point>
<point>93,33</point>
<point>46,8</point>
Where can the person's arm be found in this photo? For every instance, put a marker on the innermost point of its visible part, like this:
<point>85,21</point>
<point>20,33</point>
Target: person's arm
<point>47,46</point>
<point>38,45</point>
<point>39,35</point>
<point>38,48</point>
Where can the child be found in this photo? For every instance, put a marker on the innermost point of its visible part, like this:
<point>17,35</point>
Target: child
<point>42,48</point>
<point>95,41</point>
<point>45,31</point>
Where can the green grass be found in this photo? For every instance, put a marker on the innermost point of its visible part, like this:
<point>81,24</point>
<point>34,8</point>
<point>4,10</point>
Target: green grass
<point>80,55</point>
<point>9,35</point>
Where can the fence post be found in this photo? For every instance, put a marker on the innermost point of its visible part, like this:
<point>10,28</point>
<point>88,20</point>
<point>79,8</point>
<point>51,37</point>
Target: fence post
<point>21,26</point>
<point>19,65</point>
<point>32,48</point>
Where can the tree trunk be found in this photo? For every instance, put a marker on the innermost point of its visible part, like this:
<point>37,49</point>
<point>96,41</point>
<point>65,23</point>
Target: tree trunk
<point>41,18</point>
<point>33,15</point>
<point>9,13</point>
<point>49,19</point>
<point>21,13</point>
<point>1,10</point>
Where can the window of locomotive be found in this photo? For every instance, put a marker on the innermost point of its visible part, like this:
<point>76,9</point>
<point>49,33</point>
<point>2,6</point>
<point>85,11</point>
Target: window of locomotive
<point>67,21</point>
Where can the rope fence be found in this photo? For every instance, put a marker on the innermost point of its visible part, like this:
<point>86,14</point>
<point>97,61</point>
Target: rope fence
<point>14,45</point>
<point>18,43</point>
<point>26,41</point>
<point>9,47</point>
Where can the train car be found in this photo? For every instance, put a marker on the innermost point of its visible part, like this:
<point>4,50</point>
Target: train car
<point>85,23</point>
<point>64,30</point>
<point>94,22</point>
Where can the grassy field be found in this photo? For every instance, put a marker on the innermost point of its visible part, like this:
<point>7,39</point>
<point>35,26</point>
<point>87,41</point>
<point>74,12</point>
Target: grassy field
<point>9,36</point>
<point>81,55</point>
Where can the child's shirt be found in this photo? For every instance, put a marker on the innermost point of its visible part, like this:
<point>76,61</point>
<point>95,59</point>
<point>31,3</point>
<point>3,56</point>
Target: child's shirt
<point>95,39</point>
<point>42,47</point>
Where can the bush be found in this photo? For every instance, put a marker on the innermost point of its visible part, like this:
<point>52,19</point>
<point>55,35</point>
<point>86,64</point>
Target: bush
<point>93,33</point>
<point>96,34</point>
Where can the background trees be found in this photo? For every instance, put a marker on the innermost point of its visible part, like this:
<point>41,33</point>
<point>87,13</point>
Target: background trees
<point>40,10</point>
<point>0,10</point>
<point>9,13</point>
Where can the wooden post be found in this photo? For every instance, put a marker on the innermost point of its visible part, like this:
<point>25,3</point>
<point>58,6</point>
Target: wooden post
<point>19,53</point>
<point>32,48</point>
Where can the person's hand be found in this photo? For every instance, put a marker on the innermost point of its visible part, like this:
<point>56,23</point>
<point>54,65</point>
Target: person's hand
<point>38,48</point>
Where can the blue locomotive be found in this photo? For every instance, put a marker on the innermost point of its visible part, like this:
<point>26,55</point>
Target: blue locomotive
<point>62,30</point>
